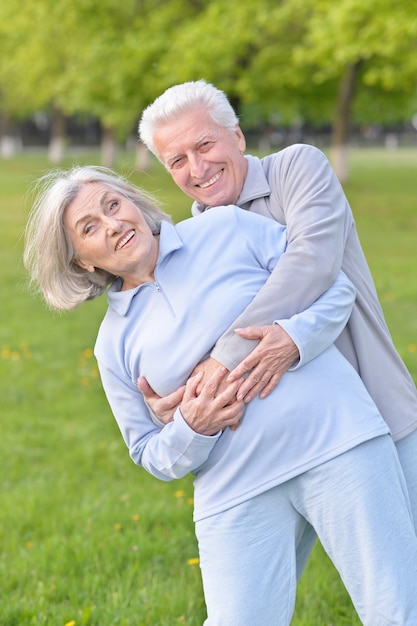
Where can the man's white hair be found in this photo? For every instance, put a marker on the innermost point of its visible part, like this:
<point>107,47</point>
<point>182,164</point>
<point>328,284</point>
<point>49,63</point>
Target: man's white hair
<point>181,98</point>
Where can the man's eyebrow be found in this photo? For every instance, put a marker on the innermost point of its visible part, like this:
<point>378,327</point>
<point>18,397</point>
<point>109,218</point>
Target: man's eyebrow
<point>212,135</point>
<point>196,143</point>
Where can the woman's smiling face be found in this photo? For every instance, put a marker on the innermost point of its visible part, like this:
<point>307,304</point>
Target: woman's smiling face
<point>109,232</point>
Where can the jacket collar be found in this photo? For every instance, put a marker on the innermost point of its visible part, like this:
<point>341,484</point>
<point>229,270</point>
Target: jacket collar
<point>120,301</point>
<point>255,186</point>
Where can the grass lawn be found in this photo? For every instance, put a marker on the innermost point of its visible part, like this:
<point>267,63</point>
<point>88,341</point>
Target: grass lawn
<point>87,537</point>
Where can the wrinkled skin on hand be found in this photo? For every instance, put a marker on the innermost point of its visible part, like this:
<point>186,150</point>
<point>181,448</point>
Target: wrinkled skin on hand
<point>264,366</point>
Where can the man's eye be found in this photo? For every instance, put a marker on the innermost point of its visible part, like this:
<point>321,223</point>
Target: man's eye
<point>206,145</point>
<point>176,163</point>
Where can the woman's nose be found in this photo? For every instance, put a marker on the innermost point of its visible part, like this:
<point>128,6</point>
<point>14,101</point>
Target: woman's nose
<point>113,225</point>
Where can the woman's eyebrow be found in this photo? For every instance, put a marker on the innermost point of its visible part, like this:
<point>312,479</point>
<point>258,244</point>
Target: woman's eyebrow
<point>102,202</point>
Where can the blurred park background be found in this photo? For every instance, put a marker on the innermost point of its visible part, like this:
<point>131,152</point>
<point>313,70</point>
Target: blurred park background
<point>79,72</point>
<point>87,538</point>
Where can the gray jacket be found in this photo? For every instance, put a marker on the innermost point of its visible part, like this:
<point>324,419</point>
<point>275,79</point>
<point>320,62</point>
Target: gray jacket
<point>298,188</point>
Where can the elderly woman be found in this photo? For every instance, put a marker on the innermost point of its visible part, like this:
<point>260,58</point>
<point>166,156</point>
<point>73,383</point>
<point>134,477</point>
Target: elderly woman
<point>314,452</point>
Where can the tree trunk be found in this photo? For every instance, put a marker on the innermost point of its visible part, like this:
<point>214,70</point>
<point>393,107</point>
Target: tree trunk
<point>108,148</point>
<point>341,123</point>
<point>142,157</point>
<point>9,141</point>
<point>56,147</point>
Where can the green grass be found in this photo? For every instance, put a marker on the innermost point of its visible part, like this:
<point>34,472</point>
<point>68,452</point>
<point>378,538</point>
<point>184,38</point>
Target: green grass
<point>87,536</point>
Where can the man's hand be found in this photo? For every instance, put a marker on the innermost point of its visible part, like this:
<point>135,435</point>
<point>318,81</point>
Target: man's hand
<point>208,368</point>
<point>215,407</point>
<point>164,408</point>
<point>273,356</point>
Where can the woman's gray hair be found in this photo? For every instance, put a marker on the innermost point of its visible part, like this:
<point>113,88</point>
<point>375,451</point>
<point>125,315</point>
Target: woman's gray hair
<point>49,254</point>
<point>180,98</point>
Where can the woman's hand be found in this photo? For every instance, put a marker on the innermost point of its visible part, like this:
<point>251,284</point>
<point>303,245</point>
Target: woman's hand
<point>163,407</point>
<point>214,407</point>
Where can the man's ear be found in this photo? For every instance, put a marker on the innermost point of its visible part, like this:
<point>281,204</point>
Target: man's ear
<point>85,266</point>
<point>241,139</point>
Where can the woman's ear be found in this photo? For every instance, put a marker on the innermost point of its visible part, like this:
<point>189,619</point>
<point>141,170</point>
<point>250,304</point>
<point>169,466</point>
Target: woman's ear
<point>85,266</point>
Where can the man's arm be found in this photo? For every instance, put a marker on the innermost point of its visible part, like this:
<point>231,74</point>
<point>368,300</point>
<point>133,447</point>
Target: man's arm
<point>308,198</point>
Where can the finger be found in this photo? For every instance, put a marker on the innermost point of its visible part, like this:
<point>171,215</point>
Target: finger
<point>176,397</point>
<point>254,359</point>
<point>270,386</point>
<point>254,384</point>
<point>191,386</point>
<point>227,394</point>
<point>248,364</point>
<point>211,386</point>
<point>261,388</point>
<point>252,332</point>
<point>231,415</point>
<point>145,388</point>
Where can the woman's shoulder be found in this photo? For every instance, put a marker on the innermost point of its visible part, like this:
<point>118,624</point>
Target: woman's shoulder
<point>221,216</point>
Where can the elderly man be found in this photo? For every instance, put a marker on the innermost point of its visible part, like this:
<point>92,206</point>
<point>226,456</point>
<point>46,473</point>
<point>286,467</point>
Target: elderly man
<point>194,132</point>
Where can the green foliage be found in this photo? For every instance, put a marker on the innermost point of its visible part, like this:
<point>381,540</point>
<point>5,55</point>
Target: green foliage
<point>86,536</point>
<point>110,58</point>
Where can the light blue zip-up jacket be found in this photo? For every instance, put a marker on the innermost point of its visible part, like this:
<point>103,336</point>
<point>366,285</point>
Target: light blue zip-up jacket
<point>209,268</point>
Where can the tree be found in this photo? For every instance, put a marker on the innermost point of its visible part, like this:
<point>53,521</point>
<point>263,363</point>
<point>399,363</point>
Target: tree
<point>311,60</point>
<point>314,60</point>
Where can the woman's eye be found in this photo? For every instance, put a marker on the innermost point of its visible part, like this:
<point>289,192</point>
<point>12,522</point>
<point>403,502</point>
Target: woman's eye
<point>113,205</point>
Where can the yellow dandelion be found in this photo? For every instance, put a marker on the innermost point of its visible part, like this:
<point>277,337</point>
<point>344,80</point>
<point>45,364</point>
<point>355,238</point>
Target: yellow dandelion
<point>136,517</point>
<point>194,561</point>
<point>118,527</point>
<point>5,353</point>
<point>71,623</point>
<point>190,501</point>
<point>179,493</point>
<point>88,353</point>
<point>388,296</point>
<point>412,347</point>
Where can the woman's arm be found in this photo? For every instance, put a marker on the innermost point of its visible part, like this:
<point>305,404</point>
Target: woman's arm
<point>185,442</point>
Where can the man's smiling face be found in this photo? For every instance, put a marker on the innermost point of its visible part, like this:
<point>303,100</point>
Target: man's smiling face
<point>205,160</point>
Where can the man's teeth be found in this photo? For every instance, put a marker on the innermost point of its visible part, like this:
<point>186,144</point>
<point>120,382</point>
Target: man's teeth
<point>211,181</point>
<point>125,240</point>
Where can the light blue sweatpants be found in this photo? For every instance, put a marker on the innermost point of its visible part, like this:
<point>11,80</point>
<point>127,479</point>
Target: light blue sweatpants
<point>359,507</point>
<point>407,454</point>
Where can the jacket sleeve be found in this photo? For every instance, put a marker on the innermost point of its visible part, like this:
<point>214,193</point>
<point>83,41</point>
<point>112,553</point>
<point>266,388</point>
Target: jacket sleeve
<point>167,453</point>
<point>308,198</point>
<point>316,328</point>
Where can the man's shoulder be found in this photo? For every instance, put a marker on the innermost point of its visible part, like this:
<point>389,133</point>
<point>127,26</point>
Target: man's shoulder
<point>289,153</point>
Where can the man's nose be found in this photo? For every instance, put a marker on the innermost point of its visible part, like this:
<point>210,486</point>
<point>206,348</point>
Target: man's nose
<point>197,166</point>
